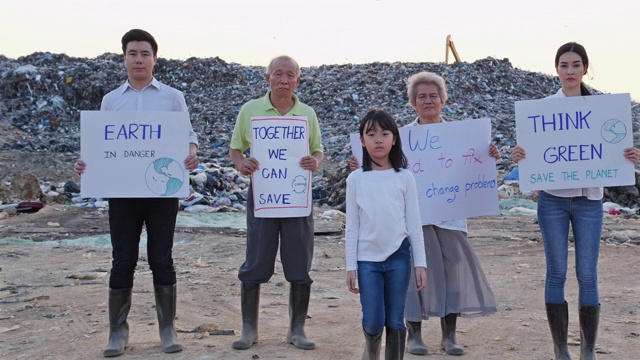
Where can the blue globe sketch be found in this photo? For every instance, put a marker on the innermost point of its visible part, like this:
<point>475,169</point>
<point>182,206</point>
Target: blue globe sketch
<point>164,176</point>
<point>613,131</point>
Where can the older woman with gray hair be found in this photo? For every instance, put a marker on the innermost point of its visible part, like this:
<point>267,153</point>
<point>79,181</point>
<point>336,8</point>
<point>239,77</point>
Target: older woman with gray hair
<point>456,284</point>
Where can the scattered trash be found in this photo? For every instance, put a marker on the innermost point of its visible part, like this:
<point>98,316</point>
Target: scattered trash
<point>29,206</point>
<point>4,329</point>
<point>43,94</point>
<point>94,275</point>
<point>209,329</point>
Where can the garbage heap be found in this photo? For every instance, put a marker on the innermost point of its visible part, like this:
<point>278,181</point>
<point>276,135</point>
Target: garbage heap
<point>42,95</point>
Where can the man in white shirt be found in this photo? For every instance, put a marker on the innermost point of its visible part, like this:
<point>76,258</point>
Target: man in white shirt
<point>142,92</point>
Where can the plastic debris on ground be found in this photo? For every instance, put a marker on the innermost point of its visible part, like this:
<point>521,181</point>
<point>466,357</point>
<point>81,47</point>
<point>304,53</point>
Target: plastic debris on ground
<point>43,93</point>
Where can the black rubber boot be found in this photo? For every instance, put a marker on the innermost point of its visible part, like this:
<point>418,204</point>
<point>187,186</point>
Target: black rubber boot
<point>394,348</point>
<point>298,307</point>
<point>589,319</point>
<point>166,309</point>
<point>448,325</point>
<point>558,317</point>
<point>249,303</point>
<point>415,344</point>
<point>119,306</point>
<point>371,346</point>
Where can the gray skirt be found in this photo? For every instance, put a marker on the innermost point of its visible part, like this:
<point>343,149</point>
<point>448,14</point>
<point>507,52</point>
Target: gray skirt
<point>455,280</point>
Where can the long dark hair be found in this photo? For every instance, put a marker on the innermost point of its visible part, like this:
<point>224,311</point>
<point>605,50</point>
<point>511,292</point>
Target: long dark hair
<point>578,49</point>
<point>383,120</point>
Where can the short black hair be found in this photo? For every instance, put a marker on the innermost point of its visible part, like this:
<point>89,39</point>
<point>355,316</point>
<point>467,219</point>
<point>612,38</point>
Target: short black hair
<point>139,35</point>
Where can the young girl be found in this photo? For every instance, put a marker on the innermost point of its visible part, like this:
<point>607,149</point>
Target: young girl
<point>456,283</point>
<point>383,231</point>
<point>582,208</point>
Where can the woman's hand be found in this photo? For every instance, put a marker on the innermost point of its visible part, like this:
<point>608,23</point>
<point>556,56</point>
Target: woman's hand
<point>632,154</point>
<point>494,152</point>
<point>518,154</point>
<point>352,281</point>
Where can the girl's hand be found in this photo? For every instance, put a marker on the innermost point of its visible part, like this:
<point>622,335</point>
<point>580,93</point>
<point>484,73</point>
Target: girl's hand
<point>632,154</point>
<point>352,281</point>
<point>421,278</point>
<point>353,163</point>
<point>518,154</point>
<point>494,152</point>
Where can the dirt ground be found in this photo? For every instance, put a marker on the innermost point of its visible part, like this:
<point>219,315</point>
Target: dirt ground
<point>53,294</point>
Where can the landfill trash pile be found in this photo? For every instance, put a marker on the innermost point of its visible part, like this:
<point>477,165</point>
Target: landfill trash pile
<point>42,95</point>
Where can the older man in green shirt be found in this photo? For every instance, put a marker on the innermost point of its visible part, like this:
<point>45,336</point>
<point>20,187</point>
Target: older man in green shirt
<point>293,234</point>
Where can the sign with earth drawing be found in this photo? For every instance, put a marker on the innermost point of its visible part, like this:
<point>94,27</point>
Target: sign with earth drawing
<point>137,154</point>
<point>281,187</point>
<point>575,142</point>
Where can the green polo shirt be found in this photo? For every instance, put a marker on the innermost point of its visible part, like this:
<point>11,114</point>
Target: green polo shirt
<point>241,138</point>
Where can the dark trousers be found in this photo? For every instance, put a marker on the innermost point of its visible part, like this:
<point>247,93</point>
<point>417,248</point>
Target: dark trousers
<point>126,218</point>
<point>295,237</point>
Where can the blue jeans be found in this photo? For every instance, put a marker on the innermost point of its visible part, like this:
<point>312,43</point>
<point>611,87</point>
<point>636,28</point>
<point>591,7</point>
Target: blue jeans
<point>383,290</point>
<point>554,215</point>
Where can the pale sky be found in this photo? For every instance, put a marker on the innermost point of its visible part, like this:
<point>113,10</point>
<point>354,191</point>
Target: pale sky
<point>316,32</point>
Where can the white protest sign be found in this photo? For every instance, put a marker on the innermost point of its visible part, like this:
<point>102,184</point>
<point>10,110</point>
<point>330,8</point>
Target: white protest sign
<point>138,154</point>
<point>455,176</point>
<point>281,188</point>
<point>356,146</point>
<point>575,142</point>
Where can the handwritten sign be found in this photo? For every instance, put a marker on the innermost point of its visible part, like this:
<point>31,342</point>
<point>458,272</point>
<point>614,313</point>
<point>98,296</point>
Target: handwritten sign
<point>281,188</point>
<point>575,142</point>
<point>134,153</point>
<point>455,176</point>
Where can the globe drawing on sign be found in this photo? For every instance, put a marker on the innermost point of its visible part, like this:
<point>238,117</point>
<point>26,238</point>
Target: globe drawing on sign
<point>299,184</point>
<point>164,176</point>
<point>613,131</point>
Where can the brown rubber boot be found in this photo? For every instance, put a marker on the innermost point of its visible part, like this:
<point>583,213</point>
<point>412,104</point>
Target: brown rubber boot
<point>558,318</point>
<point>448,325</point>
<point>298,307</point>
<point>589,319</point>
<point>394,348</point>
<point>371,346</point>
<point>415,344</point>
<point>119,306</point>
<point>249,303</point>
<point>166,308</point>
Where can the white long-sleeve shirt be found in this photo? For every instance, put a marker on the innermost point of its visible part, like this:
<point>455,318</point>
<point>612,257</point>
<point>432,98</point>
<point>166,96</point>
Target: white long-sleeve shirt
<point>382,210</point>
<point>154,97</point>
<point>592,193</point>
